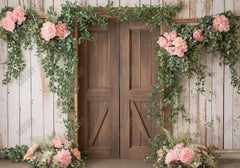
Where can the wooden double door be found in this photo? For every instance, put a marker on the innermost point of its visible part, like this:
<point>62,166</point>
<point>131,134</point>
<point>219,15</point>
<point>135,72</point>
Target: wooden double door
<point>116,75</point>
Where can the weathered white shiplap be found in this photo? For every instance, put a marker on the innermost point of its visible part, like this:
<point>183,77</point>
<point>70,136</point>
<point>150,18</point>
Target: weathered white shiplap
<point>28,109</point>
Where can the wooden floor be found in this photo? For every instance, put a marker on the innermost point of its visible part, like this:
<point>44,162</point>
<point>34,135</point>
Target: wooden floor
<point>120,163</point>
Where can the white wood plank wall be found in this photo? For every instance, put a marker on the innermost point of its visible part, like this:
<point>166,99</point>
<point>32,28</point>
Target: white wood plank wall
<point>28,109</point>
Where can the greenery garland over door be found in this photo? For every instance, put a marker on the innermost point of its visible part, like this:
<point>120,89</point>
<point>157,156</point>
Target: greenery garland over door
<point>172,68</point>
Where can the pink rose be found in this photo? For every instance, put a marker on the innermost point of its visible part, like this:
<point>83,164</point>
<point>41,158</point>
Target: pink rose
<point>160,153</point>
<point>18,15</point>
<point>30,152</point>
<point>61,30</point>
<point>162,42</point>
<point>76,153</point>
<point>197,35</point>
<point>48,31</point>
<point>221,23</point>
<point>186,156</point>
<point>8,24</point>
<point>63,157</point>
<point>57,143</point>
<point>172,156</point>
<point>179,147</point>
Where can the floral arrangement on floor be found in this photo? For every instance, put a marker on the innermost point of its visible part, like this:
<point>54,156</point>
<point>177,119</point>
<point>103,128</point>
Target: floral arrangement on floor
<point>183,152</point>
<point>59,153</point>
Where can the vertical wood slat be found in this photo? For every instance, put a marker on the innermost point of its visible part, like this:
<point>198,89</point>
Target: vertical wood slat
<point>13,104</point>
<point>37,98</point>
<point>217,90</point>
<point>135,76</point>
<point>25,132</point>
<point>236,97</point>
<point>235,120</point>
<point>3,92</point>
<point>228,99</point>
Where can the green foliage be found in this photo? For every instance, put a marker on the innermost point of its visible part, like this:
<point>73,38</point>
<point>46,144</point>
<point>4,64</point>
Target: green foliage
<point>172,68</point>
<point>151,15</point>
<point>15,154</point>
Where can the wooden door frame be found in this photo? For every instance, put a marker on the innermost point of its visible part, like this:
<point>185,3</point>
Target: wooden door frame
<point>167,112</point>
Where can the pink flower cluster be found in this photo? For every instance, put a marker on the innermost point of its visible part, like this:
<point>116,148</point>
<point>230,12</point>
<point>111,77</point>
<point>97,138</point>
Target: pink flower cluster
<point>180,153</point>
<point>59,142</point>
<point>30,152</point>
<point>63,157</point>
<point>173,44</point>
<point>17,15</point>
<point>76,153</point>
<point>50,30</point>
<point>221,23</point>
<point>197,35</point>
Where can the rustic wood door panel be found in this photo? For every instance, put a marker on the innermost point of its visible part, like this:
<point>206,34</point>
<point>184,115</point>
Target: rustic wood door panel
<point>99,93</point>
<point>137,73</point>
<point>116,76</point>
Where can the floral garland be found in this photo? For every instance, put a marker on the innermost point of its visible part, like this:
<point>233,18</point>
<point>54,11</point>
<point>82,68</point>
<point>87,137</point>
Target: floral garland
<point>56,43</point>
<point>180,54</point>
<point>59,153</point>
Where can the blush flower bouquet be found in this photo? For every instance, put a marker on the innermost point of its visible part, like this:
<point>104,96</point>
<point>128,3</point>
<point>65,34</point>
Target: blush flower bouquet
<point>182,152</point>
<point>57,154</point>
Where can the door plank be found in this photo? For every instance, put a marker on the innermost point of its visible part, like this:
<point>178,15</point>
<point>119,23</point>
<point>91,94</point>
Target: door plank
<point>99,123</point>
<point>140,123</point>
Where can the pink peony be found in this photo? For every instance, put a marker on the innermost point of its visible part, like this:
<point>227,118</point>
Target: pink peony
<point>8,24</point>
<point>9,14</point>
<point>162,42</point>
<point>160,153</point>
<point>179,147</point>
<point>171,35</point>
<point>186,156</point>
<point>48,31</point>
<point>197,35</point>
<point>18,15</point>
<point>172,156</point>
<point>221,23</point>
<point>63,157</point>
<point>61,30</point>
<point>57,143</point>
<point>173,44</point>
<point>30,152</point>
<point>76,153</point>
